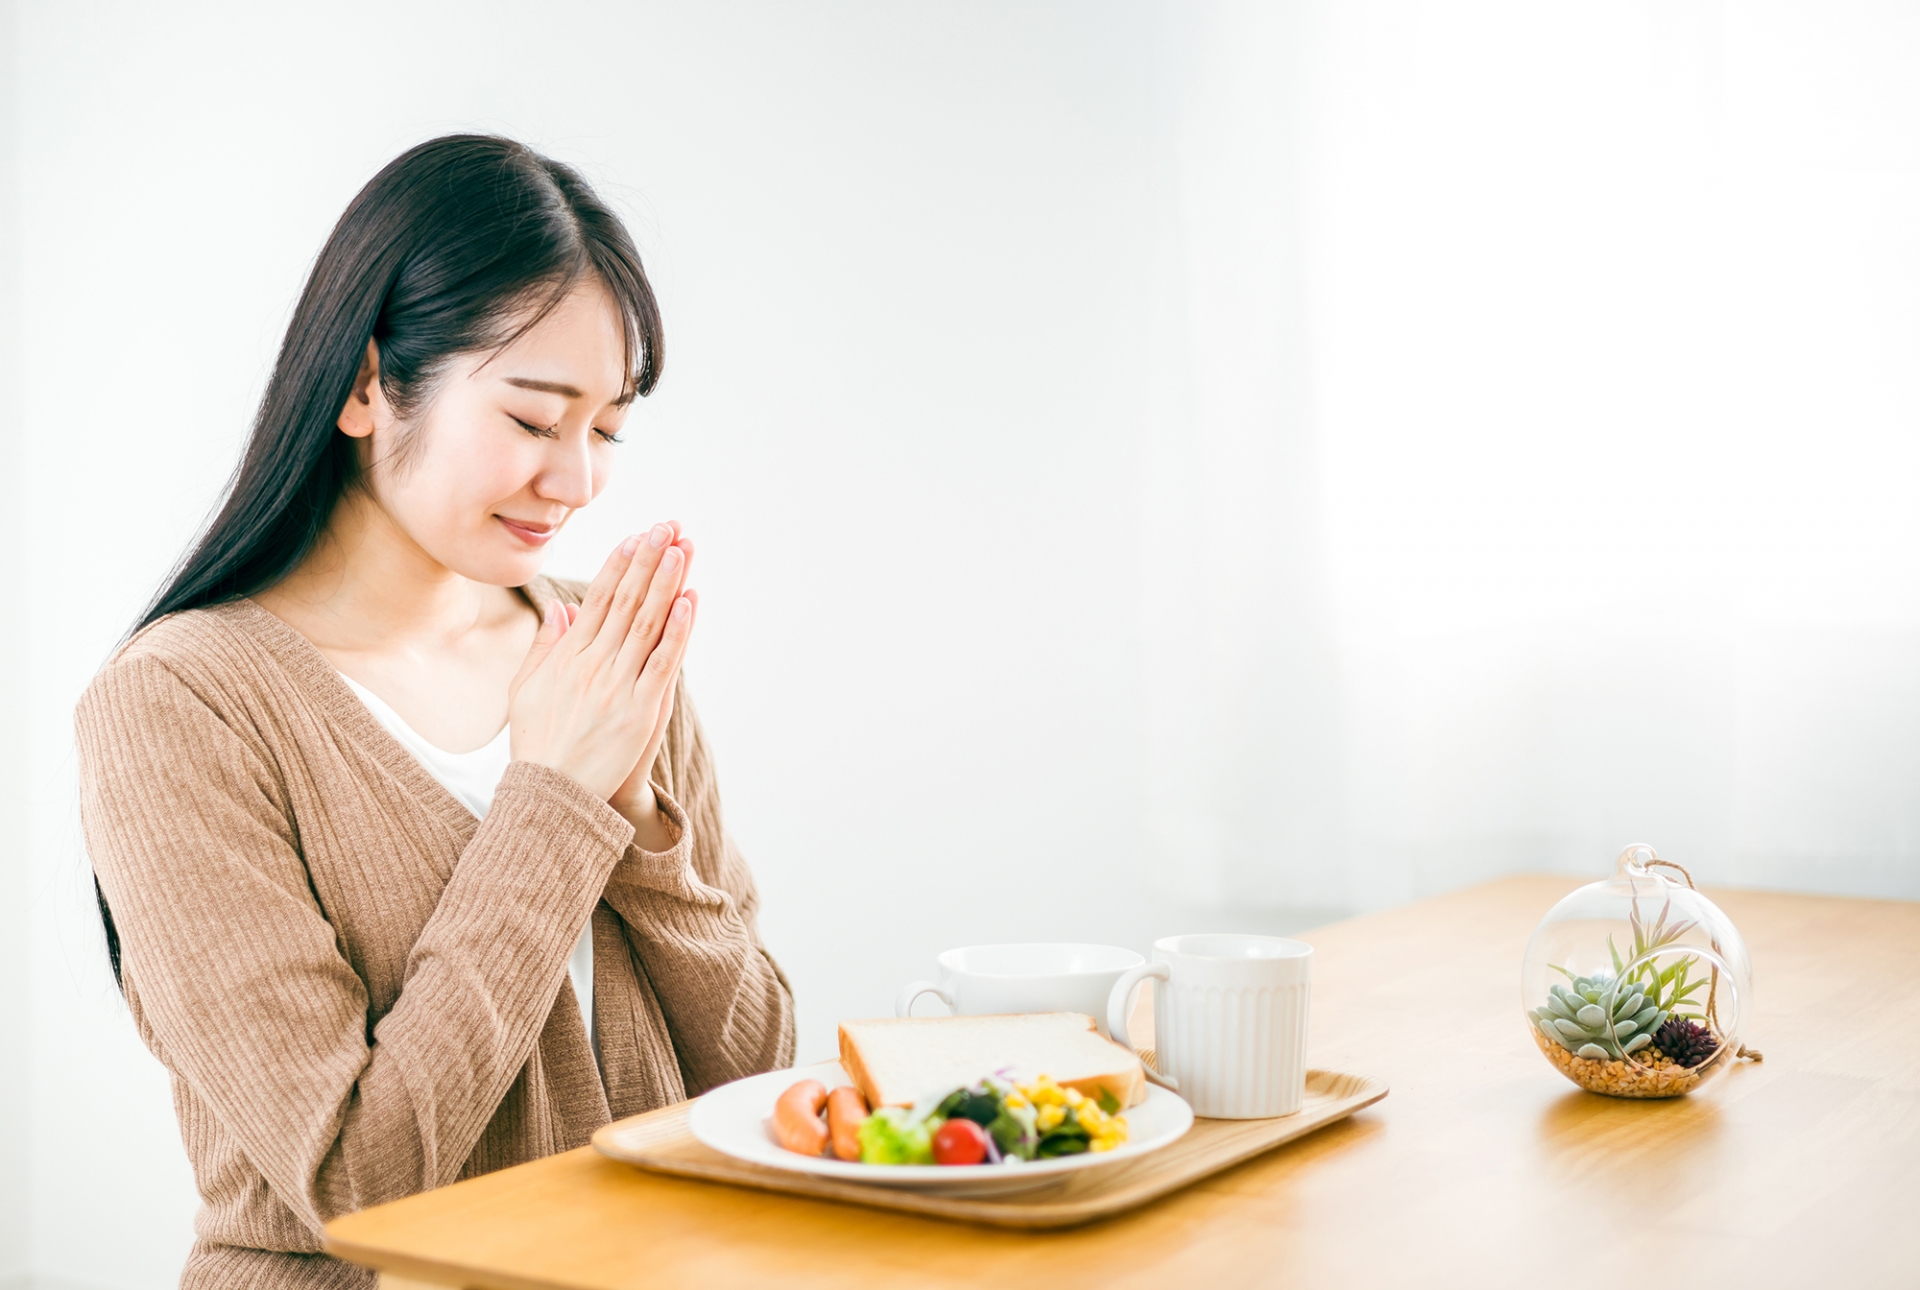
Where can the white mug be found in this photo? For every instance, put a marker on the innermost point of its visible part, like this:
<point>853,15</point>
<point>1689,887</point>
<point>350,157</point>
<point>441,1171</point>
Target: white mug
<point>984,980</point>
<point>1229,1022</point>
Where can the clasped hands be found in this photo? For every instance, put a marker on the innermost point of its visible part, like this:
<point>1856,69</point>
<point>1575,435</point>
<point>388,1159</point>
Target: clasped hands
<point>595,694</point>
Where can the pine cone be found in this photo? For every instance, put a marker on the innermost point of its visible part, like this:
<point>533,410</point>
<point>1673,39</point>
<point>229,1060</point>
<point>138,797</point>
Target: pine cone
<point>1687,1042</point>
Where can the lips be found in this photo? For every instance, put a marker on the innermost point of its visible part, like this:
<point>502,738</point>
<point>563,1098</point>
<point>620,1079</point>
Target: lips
<point>529,532</point>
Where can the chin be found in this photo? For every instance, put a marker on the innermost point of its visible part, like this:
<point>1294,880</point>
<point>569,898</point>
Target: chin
<point>501,568</point>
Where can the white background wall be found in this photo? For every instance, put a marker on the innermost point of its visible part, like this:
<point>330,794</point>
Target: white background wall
<point>16,1002</point>
<point>1155,465</point>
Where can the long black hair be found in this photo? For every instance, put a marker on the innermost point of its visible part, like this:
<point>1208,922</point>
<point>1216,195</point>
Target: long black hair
<point>457,246</point>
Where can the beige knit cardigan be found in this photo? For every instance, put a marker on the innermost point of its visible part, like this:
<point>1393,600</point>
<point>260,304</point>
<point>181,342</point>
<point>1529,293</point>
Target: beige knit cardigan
<point>359,990</point>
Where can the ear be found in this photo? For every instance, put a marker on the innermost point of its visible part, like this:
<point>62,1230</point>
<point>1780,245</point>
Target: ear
<point>366,408</point>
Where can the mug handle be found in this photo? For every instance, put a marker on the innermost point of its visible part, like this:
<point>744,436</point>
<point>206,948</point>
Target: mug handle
<point>910,995</point>
<point>1120,1004</point>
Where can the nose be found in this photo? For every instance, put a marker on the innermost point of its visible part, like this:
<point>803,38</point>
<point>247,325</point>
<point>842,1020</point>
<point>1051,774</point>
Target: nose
<point>566,476</point>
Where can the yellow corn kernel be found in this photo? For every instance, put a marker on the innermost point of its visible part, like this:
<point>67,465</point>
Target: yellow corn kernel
<point>1042,1091</point>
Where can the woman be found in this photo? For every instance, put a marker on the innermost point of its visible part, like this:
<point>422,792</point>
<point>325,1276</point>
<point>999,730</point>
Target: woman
<point>411,860</point>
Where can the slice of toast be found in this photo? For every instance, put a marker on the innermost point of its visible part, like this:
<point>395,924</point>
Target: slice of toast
<point>896,1061</point>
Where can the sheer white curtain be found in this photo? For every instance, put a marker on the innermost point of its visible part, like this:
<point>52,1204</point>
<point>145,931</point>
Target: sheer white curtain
<point>1537,435</point>
<point>1244,710</point>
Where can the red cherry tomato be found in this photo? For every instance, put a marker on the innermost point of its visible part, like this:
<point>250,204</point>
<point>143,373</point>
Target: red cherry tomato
<point>959,1142</point>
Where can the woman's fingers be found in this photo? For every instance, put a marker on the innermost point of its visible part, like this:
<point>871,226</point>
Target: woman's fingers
<point>662,718</point>
<point>652,614</point>
<point>668,580</point>
<point>663,665</point>
<point>609,631</point>
<point>553,624</point>
<point>593,605</point>
<point>685,548</point>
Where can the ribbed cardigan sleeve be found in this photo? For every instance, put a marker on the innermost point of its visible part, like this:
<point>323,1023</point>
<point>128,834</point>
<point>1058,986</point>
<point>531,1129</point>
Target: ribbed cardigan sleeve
<point>690,916</point>
<point>239,977</point>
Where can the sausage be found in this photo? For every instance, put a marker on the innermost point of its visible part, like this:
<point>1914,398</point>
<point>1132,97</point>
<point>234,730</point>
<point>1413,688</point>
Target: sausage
<point>796,1118</point>
<point>846,1112</point>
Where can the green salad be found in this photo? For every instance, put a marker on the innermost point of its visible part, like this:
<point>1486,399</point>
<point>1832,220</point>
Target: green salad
<point>994,1121</point>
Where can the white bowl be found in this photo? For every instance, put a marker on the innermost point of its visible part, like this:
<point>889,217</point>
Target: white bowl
<point>1045,976</point>
<point>733,1119</point>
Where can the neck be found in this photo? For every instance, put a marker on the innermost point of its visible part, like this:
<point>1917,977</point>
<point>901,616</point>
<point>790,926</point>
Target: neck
<point>368,585</point>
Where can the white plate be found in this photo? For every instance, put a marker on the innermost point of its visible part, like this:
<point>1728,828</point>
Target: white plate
<point>733,1119</point>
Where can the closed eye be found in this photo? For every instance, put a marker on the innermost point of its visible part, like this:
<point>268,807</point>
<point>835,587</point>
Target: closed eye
<point>611,436</point>
<point>548,433</point>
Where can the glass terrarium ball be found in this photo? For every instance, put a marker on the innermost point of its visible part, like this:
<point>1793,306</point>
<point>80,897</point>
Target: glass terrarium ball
<point>1636,986</point>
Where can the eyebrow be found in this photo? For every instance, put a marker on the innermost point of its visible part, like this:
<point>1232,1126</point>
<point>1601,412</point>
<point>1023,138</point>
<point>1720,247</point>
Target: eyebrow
<point>561,388</point>
<point>545,387</point>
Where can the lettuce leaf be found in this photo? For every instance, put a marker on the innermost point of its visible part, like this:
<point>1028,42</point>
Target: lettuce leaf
<point>893,1135</point>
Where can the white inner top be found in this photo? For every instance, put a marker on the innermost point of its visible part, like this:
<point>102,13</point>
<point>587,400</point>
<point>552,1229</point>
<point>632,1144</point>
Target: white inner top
<point>472,778</point>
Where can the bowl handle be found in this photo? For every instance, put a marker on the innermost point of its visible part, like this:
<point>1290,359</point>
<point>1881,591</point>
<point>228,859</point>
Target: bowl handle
<point>1120,1005</point>
<point>910,994</point>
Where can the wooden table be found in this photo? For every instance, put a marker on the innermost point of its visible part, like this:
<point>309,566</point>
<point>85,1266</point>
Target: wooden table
<point>1484,1167</point>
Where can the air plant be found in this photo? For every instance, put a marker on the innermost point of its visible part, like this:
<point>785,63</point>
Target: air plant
<point>1667,988</point>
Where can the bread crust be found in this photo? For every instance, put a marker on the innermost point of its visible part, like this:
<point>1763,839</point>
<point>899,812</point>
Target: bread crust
<point>1128,1088</point>
<point>857,1070</point>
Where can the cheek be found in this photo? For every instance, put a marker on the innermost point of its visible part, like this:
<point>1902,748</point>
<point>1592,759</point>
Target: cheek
<point>498,473</point>
<point>459,475</point>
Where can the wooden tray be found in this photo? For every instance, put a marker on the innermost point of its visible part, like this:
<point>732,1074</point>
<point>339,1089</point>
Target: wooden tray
<point>659,1140</point>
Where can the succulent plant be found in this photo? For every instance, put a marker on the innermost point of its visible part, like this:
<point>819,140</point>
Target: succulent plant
<point>1686,1042</point>
<point>1599,1017</point>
